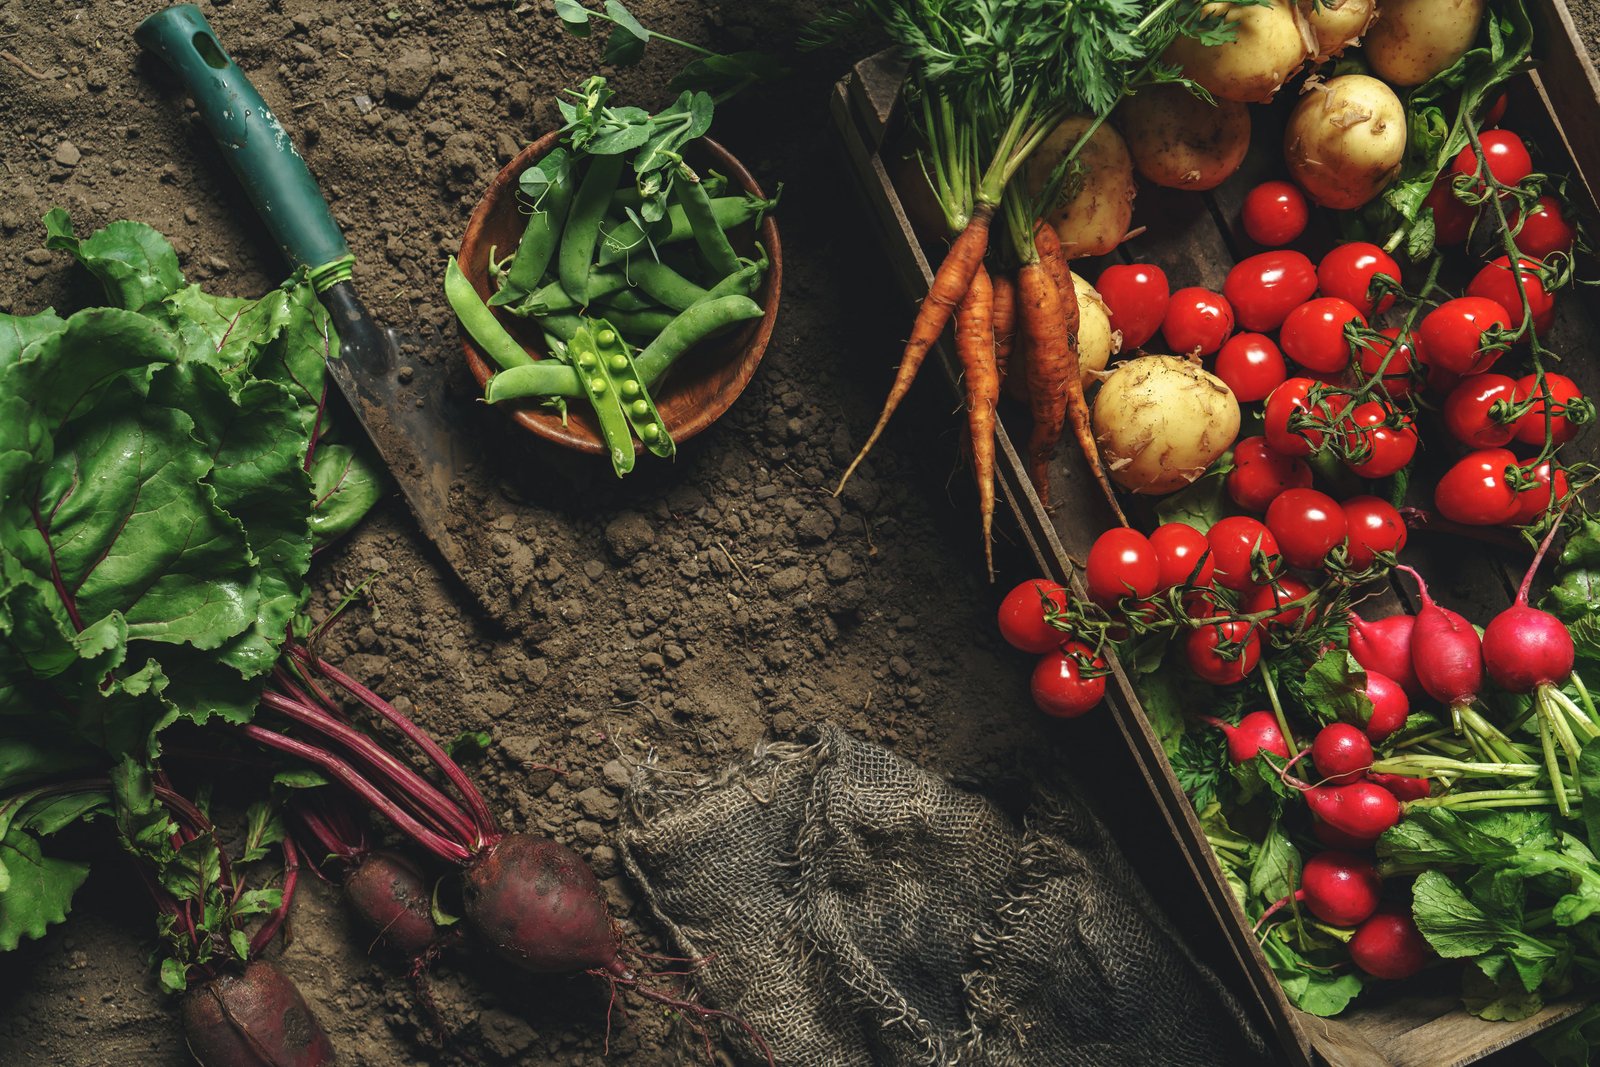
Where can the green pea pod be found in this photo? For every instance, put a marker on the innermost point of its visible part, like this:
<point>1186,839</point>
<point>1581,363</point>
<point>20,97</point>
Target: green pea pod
<point>629,196</point>
<point>551,298</point>
<point>562,325</point>
<point>615,361</point>
<point>479,321</point>
<point>542,378</point>
<point>622,239</point>
<point>588,358</point>
<point>627,300</point>
<point>708,232</point>
<point>667,286</point>
<point>642,325</point>
<point>742,282</point>
<point>542,233</point>
<point>688,329</point>
<point>583,225</point>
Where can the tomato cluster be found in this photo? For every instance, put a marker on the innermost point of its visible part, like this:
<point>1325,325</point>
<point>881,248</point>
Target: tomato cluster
<point>1070,677</point>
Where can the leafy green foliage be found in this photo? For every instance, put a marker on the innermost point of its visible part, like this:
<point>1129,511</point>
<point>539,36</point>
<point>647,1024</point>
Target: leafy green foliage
<point>1334,689</point>
<point>595,128</point>
<point>711,72</point>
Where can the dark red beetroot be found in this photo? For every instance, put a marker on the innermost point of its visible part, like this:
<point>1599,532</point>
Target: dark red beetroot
<point>1446,651</point>
<point>255,1019</point>
<point>392,896</point>
<point>537,903</point>
<point>1389,945</point>
<point>1257,732</point>
<point>1384,646</point>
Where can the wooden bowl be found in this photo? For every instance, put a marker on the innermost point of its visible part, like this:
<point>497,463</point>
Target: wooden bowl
<point>704,381</point>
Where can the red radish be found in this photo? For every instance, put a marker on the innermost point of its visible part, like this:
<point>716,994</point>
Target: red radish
<point>254,1019</point>
<point>1389,945</point>
<point>1337,838</point>
<point>1341,752</point>
<point>1445,650</point>
<point>1390,707</point>
<point>1403,787</point>
<point>1525,649</point>
<point>1256,733</point>
<point>1360,809</point>
<point>1384,646</point>
<point>1339,888</point>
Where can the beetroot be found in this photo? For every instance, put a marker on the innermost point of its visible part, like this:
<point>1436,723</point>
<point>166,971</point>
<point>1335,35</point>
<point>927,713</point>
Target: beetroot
<point>392,896</point>
<point>254,1019</point>
<point>537,903</point>
<point>1384,646</point>
<point>1446,651</point>
<point>1341,752</point>
<point>1257,732</point>
<point>1389,945</point>
<point>1390,708</point>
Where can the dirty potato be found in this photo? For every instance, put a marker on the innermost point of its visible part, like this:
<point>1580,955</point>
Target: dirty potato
<point>1161,421</point>
<point>1182,142</point>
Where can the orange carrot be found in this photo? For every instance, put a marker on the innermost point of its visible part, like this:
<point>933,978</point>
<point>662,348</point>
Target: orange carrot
<point>1049,361</point>
<point>976,348</point>
<point>1077,412</point>
<point>950,284</point>
<point>1005,321</point>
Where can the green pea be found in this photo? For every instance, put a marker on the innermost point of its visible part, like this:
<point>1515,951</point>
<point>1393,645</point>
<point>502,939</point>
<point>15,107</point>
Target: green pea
<point>650,432</point>
<point>618,364</point>
<point>640,408</point>
<point>597,385</point>
<point>630,388</point>
<point>586,360</point>
<point>606,337</point>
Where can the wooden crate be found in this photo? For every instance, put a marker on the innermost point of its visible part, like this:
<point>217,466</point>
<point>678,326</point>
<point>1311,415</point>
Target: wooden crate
<point>1193,237</point>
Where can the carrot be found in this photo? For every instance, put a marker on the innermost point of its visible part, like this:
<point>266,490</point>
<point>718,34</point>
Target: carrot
<point>1005,321</point>
<point>1077,411</point>
<point>950,284</point>
<point>1049,361</point>
<point>975,345</point>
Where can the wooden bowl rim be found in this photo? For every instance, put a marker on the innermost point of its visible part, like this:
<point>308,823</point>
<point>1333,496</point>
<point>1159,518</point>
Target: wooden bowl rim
<point>752,342</point>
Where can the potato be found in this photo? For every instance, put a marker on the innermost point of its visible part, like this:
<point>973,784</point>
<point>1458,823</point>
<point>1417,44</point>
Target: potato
<point>1096,341</point>
<point>1180,141</point>
<point>1273,41</point>
<point>1095,220</point>
<point>1161,421</point>
<point>1415,39</point>
<point>1345,140</point>
<point>1337,24</point>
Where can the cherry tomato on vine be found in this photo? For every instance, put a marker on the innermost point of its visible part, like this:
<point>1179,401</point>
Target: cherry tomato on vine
<point>1136,296</point>
<point>1223,653</point>
<point>1307,525</point>
<point>1284,590</point>
<point>1384,448</point>
<point>1234,543</point>
<point>1265,287</point>
<point>1503,152</point>
<point>1059,685</point>
<point>1198,321</point>
<point>1536,499</point>
<point>1288,398</point>
<point>1452,219</point>
<point>1347,271</point>
<point>1121,564</point>
<point>1452,334</point>
<point>1400,373</point>
<point>1467,411</point>
<point>1530,429</point>
<point>1374,526</point>
<point>1022,616</point>
<point>1477,490</point>
<point>1313,334</point>
<point>1260,473</point>
<point>1496,112</point>
<point>1545,231</point>
<point>1183,554</point>
<point>1275,213</point>
<point>1495,282</point>
<point>1251,366</point>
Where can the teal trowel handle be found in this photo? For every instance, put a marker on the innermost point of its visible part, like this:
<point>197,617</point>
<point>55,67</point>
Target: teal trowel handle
<point>283,191</point>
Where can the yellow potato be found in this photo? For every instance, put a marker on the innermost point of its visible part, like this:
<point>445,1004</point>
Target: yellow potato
<point>1337,24</point>
<point>1161,421</point>
<point>1345,140</point>
<point>1093,210</point>
<point>1415,39</point>
<point>1096,341</point>
<point>1180,141</point>
<point>1272,42</point>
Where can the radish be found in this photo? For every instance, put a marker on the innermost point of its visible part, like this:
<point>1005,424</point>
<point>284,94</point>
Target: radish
<point>1257,732</point>
<point>1384,645</point>
<point>1360,810</point>
<point>1402,786</point>
<point>1390,708</point>
<point>1389,945</point>
<point>1446,651</point>
<point>253,1019</point>
<point>1341,752</point>
<point>1337,839</point>
<point>1337,887</point>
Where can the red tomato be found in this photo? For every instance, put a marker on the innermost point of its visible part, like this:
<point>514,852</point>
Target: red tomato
<point>1539,498</point>
<point>1198,321</point>
<point>1234,543</point>
<point>1399,375</point>
<point>1369,431</point>
<point>1288,398</point>
<point>1374,526</point>
<point>1059,686</point>
<point>1022,616</point>
<point>1348,270</point>
<point>1452,219</point>
<point>1307,525</point>
<point>1222,653</point>
<point>1477,490</point>
<point>1183,554</point>
<point>1452,334</point>
<point>1507,158</point>
<point>1545,231</point>
<point>1468,412</point>
<point>1285,590</point>
<point>1121,564</point>
<point>1496,112</point>
<point>1275,213</point>
<point>1136,298</point>
<point>1495,282</point>
<point>1265,287</point>
<point>1313,334</point>
<point>1530,429</point>
<point>1260,473</point>
<point>1250,365</point>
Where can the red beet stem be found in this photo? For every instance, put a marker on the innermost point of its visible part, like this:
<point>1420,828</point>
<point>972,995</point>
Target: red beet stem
<point>274,923</point>
<point>195,822</point>
<point>347,776</point>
